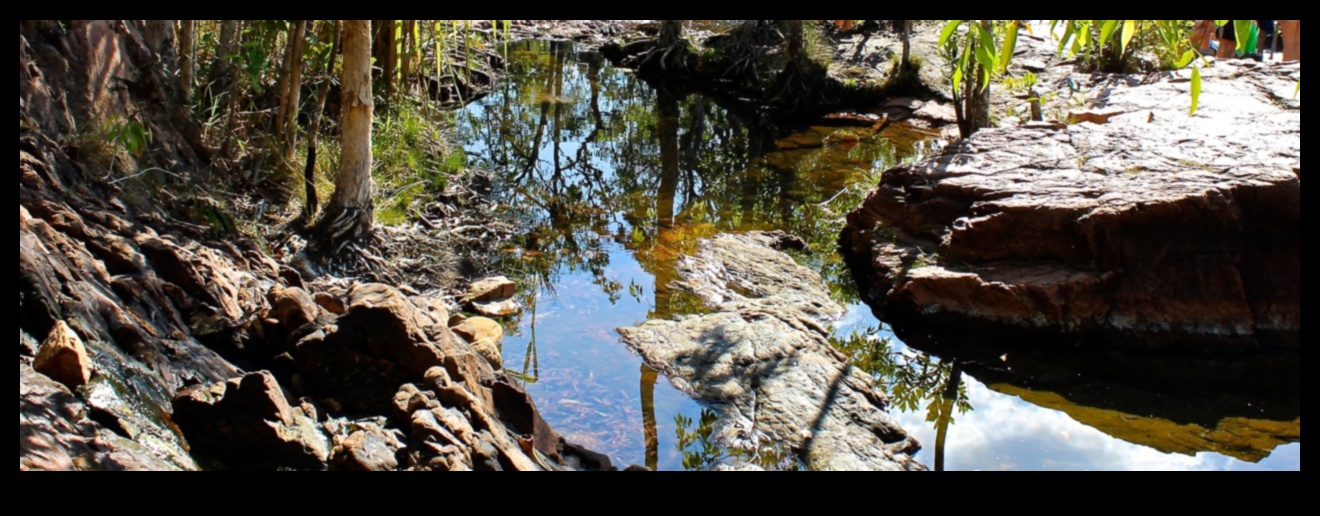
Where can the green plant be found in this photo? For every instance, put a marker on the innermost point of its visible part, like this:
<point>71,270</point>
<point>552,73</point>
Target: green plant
<point>1114,46</point>
<point>128,135</point>
<point>978,51</point>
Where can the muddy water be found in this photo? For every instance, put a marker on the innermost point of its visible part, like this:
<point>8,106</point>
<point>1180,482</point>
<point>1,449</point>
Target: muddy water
<point>614,181</point>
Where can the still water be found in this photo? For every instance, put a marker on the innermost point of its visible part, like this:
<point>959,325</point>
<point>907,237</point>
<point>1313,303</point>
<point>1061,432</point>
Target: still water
<point>614,181</point>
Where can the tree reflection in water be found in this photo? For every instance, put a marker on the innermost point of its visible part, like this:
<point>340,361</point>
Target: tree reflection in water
<point>597,166</point>
<point>913,381</point>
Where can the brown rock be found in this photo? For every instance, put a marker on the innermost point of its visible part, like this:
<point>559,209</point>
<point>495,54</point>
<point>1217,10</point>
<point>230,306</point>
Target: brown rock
<point>330,303</point>
<point>370,449</point>
<point>501,308</point>
<point>384,340</point>
<point>1137,232</point>
<point>480,328</point>
<point>489,350</point>
<point>456,319</point>
<point>387,325</point>
<point>250,416</point>
<point>491,289</point>
<point>292,307</point>
<point>63,357</point>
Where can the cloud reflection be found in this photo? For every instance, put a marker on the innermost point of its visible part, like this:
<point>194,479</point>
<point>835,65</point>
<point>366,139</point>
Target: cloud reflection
<point>1004,433</point>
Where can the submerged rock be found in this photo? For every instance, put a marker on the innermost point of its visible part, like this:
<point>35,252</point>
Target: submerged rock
<point>765,364</point>
<point>1151,229</point>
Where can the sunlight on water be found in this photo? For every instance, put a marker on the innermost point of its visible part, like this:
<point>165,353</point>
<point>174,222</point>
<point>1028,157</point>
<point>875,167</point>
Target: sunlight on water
<point>614,182</point>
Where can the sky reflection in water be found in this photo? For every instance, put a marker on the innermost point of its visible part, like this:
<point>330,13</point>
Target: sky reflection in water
<point>614,184</point>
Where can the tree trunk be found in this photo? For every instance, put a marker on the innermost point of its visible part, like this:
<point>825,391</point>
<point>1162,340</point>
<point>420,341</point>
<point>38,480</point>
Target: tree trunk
<point>311,205</point>
<point>235,87</point>
<point>287,124</point>
<point>386,55</point>
<point>907,44</point>
<point>187,57</point>
<point>160,38</point>
<point>671,32</point>
<point>351,212</point>
<point>796,33</point>
<point>223,53</point>
<point>409,49</point>
<point>975,110</point>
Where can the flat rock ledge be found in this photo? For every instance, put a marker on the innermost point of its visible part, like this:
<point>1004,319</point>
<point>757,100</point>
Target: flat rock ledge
<point>1149,229</point>
<point>764,362</point>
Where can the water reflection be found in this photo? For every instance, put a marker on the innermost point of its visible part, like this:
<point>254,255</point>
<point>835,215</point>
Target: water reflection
<point>614,182</point>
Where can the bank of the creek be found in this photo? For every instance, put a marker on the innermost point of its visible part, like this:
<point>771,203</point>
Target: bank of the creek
<point>615,184</point>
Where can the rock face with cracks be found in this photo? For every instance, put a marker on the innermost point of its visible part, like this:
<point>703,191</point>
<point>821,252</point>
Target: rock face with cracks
<point>1149,230</point>
<point>764,360</point>
<point>168,339</point>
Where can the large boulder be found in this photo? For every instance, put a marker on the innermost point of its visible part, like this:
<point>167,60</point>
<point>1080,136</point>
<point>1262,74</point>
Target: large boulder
<point>250,416</point>
<point>1140,226</point>
<point>384,340</point>
<point>765,364</point>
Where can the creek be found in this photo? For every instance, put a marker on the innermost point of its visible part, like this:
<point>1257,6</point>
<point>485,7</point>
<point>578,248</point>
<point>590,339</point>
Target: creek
<point>613,182</point>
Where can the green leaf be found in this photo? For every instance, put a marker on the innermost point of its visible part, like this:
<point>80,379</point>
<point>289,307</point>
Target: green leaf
<point>1107,31</point>
<point>1243,28</point>
<point>1067,36</point>
<point>1196,90</point>
<point>1299,89</point>
<point>1129,31</point>
<point>1010,46</point>
<point>1186,59</point>
<point>987,41</point>
<point>948,31</point>
<point>957,79</point>
<point>986,57</point>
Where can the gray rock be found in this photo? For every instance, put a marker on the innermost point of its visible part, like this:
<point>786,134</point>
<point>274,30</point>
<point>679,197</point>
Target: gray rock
<point>500,308</point>
<point>368,448</point>
<point>765,364</point>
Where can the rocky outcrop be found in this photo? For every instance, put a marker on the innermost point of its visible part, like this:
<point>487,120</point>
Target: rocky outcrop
<point>764,362</point>
<point>1151,229</point>
<point>56,433</point>
<point>154,312</point>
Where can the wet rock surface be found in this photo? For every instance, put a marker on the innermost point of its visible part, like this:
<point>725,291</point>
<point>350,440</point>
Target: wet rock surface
<point>1152,229</point>
<point>765,364</point>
